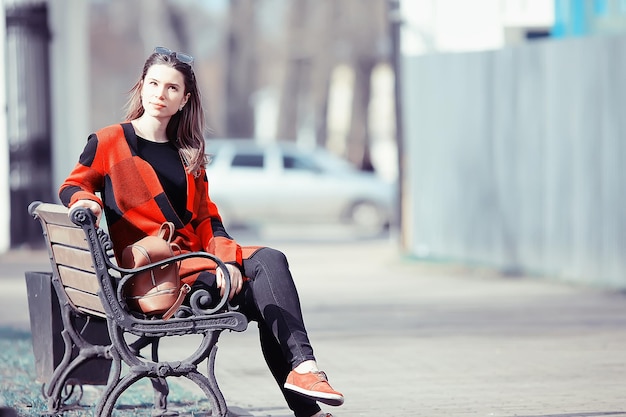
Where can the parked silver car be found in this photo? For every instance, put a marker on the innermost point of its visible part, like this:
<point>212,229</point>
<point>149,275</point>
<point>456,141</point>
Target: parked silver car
<point>283,183</point>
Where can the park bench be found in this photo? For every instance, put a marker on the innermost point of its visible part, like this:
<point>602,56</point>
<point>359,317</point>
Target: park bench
<point>89,289</point>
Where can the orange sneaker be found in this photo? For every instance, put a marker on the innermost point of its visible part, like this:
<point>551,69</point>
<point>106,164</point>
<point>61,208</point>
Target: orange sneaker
<point>315,386</point>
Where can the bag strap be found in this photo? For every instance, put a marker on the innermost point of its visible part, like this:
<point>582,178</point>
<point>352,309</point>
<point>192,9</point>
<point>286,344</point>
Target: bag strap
<point>176,250</point>
<point>167,229</point>
<point>184,290</point>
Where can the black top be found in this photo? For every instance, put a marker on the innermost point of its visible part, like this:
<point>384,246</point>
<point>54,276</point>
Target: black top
<point>166,161</point>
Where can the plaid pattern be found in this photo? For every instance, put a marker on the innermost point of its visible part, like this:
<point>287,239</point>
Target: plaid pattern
<point>134,202</point>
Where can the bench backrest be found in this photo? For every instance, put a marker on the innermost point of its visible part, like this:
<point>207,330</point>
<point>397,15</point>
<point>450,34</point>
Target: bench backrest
<point>70,257</point>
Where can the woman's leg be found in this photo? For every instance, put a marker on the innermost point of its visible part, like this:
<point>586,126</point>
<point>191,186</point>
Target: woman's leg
<point>272,296</point>
<point>280,368</point>
<point>269,297</point>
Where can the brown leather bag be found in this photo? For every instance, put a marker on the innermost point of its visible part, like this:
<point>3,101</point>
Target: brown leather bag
<point>158,290</point>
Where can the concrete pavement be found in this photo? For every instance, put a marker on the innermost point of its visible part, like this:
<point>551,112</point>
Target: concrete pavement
<point>404,338</point>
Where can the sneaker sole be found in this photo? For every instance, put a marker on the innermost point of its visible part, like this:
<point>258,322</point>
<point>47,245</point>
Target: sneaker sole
<point>329,399</point>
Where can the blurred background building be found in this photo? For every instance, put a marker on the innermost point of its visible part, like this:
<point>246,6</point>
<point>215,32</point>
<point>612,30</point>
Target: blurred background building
<point>498,119</point>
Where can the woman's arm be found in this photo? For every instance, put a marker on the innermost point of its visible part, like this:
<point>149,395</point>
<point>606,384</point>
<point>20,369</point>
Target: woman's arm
<point>209,226</point>
<point>84,180</point>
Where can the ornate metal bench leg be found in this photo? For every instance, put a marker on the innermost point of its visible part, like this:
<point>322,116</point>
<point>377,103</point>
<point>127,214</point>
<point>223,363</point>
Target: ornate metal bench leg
<point>141,343</point>
<point>208,383</point>
<point>215,396</point>
<point>161,390</point>
<point>113,392</point>
<point>219,397</point>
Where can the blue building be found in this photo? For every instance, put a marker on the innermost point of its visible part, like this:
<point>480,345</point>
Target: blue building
<point>588,17</point>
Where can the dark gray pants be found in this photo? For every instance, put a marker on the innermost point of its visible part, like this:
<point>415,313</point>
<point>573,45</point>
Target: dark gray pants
<point>270,298</point>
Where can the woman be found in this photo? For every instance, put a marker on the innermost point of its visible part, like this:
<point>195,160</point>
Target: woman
<point>151,169</point>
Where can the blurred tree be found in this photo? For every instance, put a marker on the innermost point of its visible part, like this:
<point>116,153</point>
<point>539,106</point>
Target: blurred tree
<point>363,31</point>
<point>123,33</point>
<point>242,69</point>
<point>320,35</point>
<point>309,62</point>
<point>289,48</point>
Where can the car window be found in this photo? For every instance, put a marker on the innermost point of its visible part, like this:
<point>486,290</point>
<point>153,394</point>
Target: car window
<point>248,160</point>
<point>304,164</point>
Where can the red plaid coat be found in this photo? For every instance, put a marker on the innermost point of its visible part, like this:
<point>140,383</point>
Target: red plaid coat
<point>135,204</point>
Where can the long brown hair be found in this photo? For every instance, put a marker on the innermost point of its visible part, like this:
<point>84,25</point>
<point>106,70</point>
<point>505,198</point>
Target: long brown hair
<point>186,128</point>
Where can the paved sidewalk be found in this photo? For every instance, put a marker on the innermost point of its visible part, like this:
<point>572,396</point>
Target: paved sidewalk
<point>402,338</point>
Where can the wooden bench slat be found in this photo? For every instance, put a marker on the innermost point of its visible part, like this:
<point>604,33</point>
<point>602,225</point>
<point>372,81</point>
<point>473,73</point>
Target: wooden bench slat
<point>71,236</point>
<point>76,258</point>
<point>82,299</point>
<point>78,279</point>
<point>101,314</point>
<point>54,214</point>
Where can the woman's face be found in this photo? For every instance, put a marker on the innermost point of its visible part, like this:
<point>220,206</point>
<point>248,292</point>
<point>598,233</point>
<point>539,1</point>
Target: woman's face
<point>163,91</point>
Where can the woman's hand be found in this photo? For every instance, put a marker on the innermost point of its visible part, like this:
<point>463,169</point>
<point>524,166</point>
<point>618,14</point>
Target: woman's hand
<point>91,205</point>
<point>236,280</point>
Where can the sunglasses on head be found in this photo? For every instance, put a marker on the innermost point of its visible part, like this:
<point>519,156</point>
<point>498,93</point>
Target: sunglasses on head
<point>184,58</point>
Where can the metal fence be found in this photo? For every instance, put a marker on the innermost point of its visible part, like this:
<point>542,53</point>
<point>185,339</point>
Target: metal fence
<point>28,115</point>
<point>516,158</point>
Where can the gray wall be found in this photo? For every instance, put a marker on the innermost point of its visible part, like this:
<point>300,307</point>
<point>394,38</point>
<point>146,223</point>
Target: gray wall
<point>515,159</point>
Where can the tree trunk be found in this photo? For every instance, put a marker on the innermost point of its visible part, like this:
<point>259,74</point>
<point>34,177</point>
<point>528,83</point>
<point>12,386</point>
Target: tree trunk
<point>358,146</point>
<point>241,74</point>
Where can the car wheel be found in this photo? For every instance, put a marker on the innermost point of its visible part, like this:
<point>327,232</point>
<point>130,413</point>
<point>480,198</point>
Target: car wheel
<point>368,216</point>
